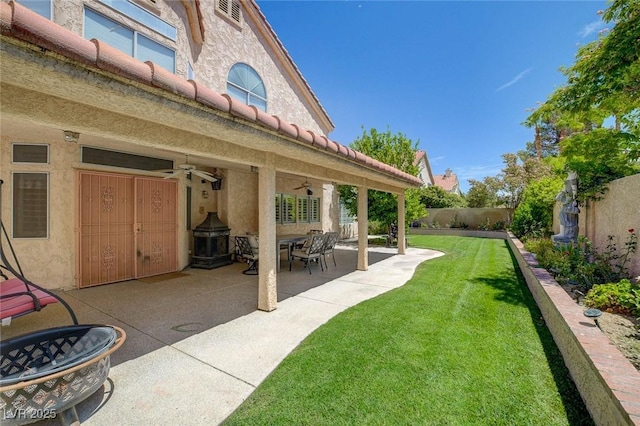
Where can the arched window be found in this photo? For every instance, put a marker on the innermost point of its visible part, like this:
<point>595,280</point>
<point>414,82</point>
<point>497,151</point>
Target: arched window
<point>245,84</point>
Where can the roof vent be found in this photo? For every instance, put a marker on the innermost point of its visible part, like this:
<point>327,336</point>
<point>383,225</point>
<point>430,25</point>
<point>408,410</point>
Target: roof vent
<point>230,9</point>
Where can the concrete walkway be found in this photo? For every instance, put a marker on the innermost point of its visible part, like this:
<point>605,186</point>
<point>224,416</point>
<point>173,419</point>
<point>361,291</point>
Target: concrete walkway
<point>202,379</point>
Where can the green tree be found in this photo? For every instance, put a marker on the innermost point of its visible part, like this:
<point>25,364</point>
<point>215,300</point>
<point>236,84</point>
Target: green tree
<point>603,86</point>
<point>598,157</point>
<point>519,170</point>
<point>398,151</point>
<point>534,215</point>
<point>550,127</point>
<point>483,193</point>
<point>606,73</point>
<point>436,197</point>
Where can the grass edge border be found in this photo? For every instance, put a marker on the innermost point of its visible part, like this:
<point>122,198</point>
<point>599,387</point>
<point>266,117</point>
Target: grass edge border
<point>607,381</point>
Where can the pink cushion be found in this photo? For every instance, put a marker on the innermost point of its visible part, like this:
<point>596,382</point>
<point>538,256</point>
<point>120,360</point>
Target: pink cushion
<point>21,304</point>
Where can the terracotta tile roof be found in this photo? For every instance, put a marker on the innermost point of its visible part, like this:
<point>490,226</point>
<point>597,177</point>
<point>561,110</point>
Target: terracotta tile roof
<point>21,23</point>
<point>447,181</point>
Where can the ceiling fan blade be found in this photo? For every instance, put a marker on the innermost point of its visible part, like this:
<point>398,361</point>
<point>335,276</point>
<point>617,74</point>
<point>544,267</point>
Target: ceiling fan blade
<point>204,175</point>
<point>300,187</point>
<point>173,174</point>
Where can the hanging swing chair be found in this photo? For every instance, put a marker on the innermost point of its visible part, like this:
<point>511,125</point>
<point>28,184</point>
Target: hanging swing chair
<point>44,374</point>
<point>19,296</point>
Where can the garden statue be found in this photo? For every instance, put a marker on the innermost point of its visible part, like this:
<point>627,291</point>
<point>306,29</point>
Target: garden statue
<point>568,211</point>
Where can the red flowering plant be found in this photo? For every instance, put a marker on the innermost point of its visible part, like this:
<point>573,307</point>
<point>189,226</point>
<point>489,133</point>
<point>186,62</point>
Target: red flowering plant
<point>617,258</point>
<point>582,265</point>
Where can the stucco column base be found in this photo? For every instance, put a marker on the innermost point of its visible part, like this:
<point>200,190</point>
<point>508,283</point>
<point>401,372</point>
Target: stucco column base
<point>402,240</point>
<point>363,229</point>
<point>267,276</point>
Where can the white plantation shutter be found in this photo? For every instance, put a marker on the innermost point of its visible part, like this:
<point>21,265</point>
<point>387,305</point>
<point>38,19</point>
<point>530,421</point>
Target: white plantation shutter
<point>278,208</point>
<point>314,209</point>
<point>303,209</point>
<point>288,208</point>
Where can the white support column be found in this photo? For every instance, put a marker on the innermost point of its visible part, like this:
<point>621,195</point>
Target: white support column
<point>401,226</point>
<point>267,278</point>
<point>363,229</point>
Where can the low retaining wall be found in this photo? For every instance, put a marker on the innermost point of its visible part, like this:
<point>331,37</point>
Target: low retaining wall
<point>472,217</point>
<point>607,381</point>
<point>459,233</point>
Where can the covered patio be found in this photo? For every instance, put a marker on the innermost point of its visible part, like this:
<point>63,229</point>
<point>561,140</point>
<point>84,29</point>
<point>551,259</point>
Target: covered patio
<point>196,345</point>
<point>116,108</point>
<point>165,309</point>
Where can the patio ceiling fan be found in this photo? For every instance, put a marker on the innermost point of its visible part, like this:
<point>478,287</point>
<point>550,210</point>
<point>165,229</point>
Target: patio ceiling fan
<point>186,170</point>
<point>307,186</point>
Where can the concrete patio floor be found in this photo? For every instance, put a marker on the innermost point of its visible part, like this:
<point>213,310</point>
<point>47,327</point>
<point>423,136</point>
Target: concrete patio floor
<point>196,345</point>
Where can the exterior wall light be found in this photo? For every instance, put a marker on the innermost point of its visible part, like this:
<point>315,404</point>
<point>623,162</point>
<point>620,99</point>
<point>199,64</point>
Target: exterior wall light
<point>70,136</point>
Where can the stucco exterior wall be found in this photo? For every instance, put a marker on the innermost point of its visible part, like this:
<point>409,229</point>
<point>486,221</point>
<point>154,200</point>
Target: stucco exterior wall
<point>225,45</point>
<point>616,213</point>
<point>241,205</point>
<point>330,208</point>
<point>52,261</point>
<point>241,200</point>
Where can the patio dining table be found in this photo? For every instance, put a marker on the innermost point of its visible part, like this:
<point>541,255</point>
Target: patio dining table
<point>289,240</point>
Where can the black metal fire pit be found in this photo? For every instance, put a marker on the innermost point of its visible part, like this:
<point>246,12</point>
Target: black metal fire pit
<point>44,374</point>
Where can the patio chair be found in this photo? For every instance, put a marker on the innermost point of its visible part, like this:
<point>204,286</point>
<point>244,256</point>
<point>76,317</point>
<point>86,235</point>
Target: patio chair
<point>312,252</point>
<point>248,253</point>
<point>308,240</point>
<point>331,238</point>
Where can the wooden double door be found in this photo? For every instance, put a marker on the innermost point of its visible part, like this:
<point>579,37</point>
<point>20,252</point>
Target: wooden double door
<point>128,227</point>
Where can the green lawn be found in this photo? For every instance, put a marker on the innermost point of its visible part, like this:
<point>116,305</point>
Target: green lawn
<point>462,343</point>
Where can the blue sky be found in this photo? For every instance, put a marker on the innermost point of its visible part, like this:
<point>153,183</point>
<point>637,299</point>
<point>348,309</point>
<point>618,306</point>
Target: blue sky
<point>456,76</point>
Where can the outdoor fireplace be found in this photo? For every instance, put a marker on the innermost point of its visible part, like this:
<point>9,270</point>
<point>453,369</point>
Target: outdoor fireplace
<point>211,243</point>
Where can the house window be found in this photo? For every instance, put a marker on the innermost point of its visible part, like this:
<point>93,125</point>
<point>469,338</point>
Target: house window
<point>30,153</point>
<point>288,208</point>
<point>188,208</point>
<point>127,40</point>
<point>314,209</point>
<point>105,157</point>
<point>303,209</point>
<point>278,208</point>
<point>345,215</point>
<point>308,209</point>
<point>191,74</point>
<point>30,205</point>
<point>41,7</point>
<point>143,17</point>
<point>244,84</point>
<point>230,9</point>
